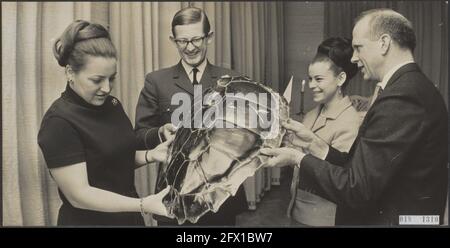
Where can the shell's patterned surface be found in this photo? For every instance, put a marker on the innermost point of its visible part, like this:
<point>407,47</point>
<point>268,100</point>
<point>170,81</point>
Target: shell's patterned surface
<point>208,164</point>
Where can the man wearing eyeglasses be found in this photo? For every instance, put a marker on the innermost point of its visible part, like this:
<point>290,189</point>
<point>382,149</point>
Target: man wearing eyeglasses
<point>191,36</point>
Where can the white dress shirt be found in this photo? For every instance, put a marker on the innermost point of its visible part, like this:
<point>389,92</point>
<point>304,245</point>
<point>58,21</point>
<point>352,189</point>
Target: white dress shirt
<point>190,73</point>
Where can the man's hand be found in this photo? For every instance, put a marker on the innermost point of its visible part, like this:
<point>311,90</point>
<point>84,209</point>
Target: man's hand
<point>161,152</point>
<point>300,136</point>
<point>282,156</point>
<point>167,131</point>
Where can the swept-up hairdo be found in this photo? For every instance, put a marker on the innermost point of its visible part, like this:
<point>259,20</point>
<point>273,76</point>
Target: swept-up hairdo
<point>339,52</point>
<point>82,38</point>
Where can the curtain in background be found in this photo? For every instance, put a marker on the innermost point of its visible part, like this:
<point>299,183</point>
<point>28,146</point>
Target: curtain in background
<point>32,79</point>
<point>430,22</point>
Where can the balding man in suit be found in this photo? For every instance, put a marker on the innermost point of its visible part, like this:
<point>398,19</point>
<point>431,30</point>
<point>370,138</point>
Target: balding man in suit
<point>397,165</point>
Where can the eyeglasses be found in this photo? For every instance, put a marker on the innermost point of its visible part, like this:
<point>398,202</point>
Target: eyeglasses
<point>195,41</point>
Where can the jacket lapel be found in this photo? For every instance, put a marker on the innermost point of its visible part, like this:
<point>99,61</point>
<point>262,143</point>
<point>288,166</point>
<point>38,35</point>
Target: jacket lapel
<point>402,70</point>
<point>209,77</point>
<point>317,121</point>
<point>332,114</point>
<point>181,79</point>
<point>321,121</point>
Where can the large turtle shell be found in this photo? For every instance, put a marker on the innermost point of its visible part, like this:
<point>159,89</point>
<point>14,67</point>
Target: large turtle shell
<point>207,164</point>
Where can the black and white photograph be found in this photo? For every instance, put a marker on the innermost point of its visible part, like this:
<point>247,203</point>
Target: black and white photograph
<point>292,114</point>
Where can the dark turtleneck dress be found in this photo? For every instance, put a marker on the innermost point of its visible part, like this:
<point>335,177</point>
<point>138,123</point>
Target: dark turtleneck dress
<point>74,131</point>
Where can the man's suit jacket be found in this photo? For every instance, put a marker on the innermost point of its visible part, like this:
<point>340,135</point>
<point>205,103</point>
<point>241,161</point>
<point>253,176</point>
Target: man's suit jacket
<point>398,162</point>
<point>154,109</point>
<point>154,106</point>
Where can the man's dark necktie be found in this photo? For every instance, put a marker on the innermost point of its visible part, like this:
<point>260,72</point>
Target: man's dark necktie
<point>195,81</point>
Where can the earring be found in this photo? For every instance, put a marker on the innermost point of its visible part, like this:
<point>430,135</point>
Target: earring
<point>70,81</point>
<point>339,90</point>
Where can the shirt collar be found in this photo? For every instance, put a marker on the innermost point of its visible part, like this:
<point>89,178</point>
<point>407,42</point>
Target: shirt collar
<point>337,109</point>
<point>391,72</point>
<point>188,68</point>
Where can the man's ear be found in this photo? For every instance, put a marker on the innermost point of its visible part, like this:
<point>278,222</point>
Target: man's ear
<point>209,37</point>
<point>385,43</point>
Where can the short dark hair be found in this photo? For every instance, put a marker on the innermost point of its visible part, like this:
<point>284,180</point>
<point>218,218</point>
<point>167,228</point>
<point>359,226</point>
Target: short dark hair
<point>82,38</point>
<point>388,21</point>
<point>338,51</point>
<point>191,15</point>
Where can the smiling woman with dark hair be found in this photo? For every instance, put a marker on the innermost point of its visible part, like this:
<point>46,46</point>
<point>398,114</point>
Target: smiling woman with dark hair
<point>334,120</point>
<point>88,141</point>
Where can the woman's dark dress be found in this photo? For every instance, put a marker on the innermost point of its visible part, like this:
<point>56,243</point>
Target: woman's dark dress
<point>74,131</point>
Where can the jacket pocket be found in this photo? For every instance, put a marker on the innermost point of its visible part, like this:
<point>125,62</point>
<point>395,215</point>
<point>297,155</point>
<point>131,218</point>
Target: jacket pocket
<point>165,111</point>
